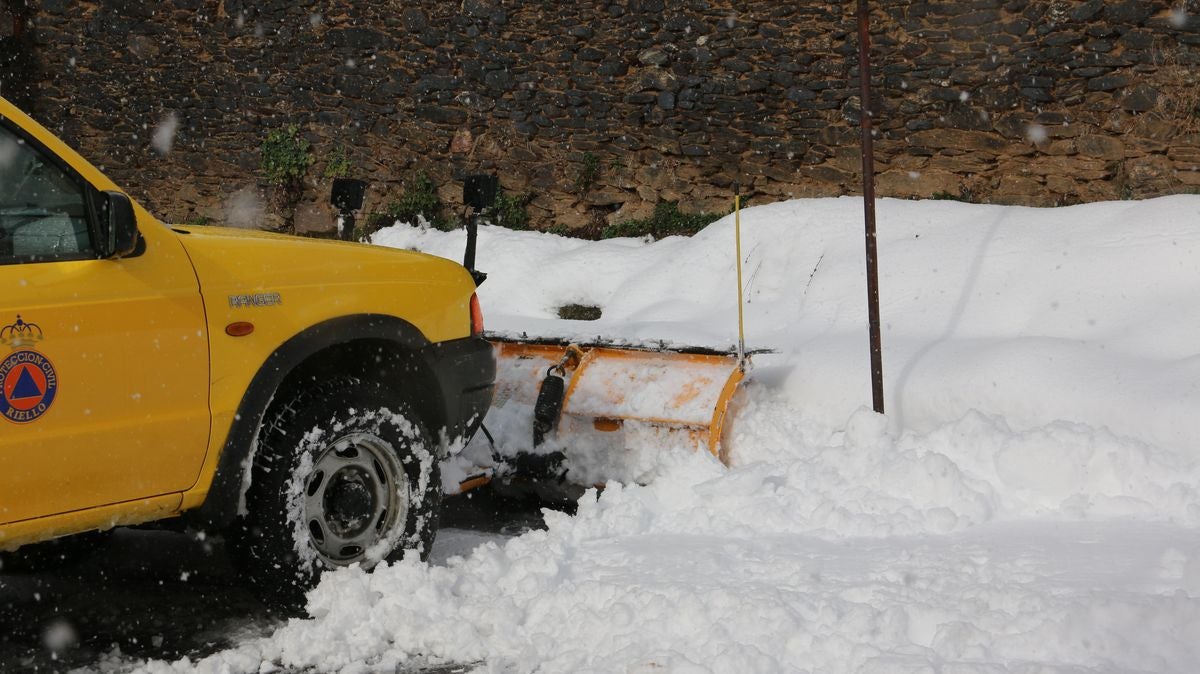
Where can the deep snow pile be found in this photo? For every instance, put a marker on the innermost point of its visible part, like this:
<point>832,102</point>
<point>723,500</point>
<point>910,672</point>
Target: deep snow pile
<point>1032,502</point>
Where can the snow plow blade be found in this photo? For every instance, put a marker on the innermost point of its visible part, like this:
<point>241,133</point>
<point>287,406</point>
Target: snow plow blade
<point>612,390</point>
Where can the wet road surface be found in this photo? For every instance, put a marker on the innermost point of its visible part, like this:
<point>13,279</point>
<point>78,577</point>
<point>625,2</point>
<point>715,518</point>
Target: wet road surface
<point>165,595</point>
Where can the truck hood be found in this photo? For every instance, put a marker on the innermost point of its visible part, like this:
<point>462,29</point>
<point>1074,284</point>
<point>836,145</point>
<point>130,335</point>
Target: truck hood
<point>316,279</point>
<point>291,260</point>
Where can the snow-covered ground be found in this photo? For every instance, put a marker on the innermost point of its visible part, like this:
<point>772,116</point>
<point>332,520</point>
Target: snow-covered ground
<point>1031,502</point>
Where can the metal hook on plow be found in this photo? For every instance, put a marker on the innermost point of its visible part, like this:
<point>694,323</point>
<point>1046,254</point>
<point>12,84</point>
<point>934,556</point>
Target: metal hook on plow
<point>551,393</point>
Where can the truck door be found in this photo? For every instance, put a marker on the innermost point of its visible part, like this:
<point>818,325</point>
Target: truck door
<point>103,363</point>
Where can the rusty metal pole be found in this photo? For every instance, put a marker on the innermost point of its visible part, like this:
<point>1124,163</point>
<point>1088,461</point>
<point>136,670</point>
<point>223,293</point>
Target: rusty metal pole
<point>868,173</point>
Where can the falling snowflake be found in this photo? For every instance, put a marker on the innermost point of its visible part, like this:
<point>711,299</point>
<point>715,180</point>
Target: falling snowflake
<point>59,636</point>
<point>1036,134</point>
<point>9,151</point>
<point>244,208</point>
<point>163,138</point>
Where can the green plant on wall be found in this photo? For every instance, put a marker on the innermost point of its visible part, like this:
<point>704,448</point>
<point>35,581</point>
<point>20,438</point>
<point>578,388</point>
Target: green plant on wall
<point>668,220</point>
<point>284,159</point>
<point>419,200</point>
<point>588,174</point>
<point>338,164</point>
<point>286,156</point>
<point>510,210</point>
<point>197,220</point>
<point>964,195</point>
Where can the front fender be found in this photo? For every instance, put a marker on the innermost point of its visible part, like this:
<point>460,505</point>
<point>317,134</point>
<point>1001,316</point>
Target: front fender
<point>230,480</point>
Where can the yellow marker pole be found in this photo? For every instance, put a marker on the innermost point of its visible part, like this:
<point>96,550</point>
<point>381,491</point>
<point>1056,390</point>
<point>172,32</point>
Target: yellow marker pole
<point>737,229</point>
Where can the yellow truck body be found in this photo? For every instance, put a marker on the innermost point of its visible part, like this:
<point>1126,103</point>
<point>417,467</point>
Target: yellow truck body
<point>133,386</point>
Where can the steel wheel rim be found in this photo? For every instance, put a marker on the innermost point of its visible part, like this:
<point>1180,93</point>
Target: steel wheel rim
<point>354,497</point>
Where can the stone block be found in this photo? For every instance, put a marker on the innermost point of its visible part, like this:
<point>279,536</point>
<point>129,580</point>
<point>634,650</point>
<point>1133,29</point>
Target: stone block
<point>415,20</point>
<point>654,56</point>
<point>977,19</point>
<point>498,80</point>
<point>590,54</point>
<point>1189,177</point>
<point>654,79</point>
<point>963,164</point>
<point>1060,147</point>
<point>1150,176</point>
<point>800,95</point>
<point>1130,11</point>
<point>1141,146</point>
<point>1101,146</point>
<point>1037,95</point>
<point>362,39</point>
<point>977,141</point>
<point>1084,168</point>
<point>1141,98</point>
<point>314,217</point>
<point>634,209</point>
<point>917,184</point>
<point>1185,151</point>
<point>1109,82</point>
<point>826,174</point>
<point>1087,11</point>
<point>441,115</point>
<point>1063,38</point>
<point>1064,185</point>
<point>1017,190</point>
<point>1156,129</point>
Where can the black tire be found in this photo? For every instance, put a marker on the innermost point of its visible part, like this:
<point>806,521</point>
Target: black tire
<point>53,555</point>
<point>343,474</point>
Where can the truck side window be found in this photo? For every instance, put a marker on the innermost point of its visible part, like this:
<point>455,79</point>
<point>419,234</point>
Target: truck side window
<point>43,212</point>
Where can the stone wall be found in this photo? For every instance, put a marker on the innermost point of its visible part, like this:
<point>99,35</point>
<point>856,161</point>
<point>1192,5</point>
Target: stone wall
<point>16,50</point>
<point>601,109</point>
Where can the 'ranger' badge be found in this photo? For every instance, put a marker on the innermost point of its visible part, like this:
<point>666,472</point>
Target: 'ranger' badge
<point>28,381</point>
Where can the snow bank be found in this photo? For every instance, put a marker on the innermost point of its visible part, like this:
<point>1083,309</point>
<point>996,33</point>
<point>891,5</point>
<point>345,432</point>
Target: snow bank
<point>1082,314</point>
<point>823,562</point>
<point>1030,504</point>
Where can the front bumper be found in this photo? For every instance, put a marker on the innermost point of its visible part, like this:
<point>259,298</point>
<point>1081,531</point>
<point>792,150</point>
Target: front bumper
<point>465,369</point>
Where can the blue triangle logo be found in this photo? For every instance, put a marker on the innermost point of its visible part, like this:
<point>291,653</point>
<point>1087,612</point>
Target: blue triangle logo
<point>26,387</point>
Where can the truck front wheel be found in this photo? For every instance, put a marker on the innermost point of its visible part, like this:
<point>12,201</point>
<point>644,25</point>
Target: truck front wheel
<point>339,477</point>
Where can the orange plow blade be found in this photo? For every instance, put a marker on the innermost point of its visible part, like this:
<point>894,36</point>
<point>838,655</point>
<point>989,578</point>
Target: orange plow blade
<point>614,390</point>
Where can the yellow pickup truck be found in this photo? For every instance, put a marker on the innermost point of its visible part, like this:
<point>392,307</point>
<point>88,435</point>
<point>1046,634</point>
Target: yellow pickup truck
<point>294,394</point>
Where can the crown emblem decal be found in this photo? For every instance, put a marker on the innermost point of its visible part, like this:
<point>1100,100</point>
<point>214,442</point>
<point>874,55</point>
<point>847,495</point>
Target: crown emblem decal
<point>21,334</point>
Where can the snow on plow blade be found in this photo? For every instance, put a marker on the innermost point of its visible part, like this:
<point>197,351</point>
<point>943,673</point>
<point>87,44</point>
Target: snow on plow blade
<point>614,390</point>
